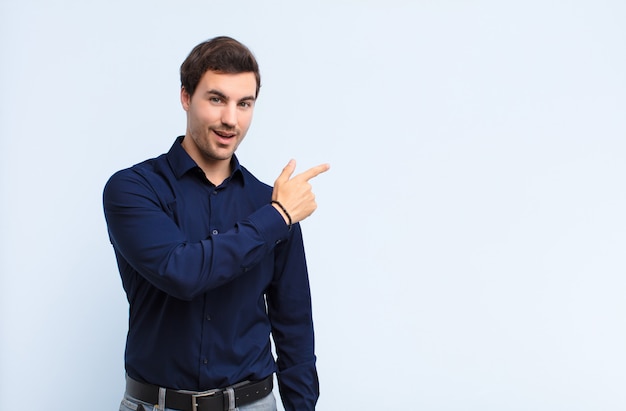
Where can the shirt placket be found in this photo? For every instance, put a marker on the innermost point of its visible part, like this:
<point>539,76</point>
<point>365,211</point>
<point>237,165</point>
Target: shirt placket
<point>207,331</point>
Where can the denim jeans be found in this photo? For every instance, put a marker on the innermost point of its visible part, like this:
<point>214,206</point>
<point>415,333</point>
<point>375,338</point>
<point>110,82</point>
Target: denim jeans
<point>268,403</point>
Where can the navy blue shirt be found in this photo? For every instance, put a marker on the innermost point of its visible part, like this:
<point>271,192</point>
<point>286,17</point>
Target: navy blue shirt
<point>209,272</point>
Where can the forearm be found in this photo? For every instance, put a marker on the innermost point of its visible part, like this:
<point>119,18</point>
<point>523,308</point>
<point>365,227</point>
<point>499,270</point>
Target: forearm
<point>148,238</point>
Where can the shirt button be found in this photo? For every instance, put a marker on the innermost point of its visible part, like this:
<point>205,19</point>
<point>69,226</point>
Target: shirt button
<point>205,361</point>
<point>208,317</point>
<point>215,232</point>
<point>214,192</point>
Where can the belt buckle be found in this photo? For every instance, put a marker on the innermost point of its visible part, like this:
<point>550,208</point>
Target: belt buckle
<point>195,396</point>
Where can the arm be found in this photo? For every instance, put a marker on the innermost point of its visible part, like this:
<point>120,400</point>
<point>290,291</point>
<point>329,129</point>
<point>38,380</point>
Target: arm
<point>143,230</point>
<point>289,308</point>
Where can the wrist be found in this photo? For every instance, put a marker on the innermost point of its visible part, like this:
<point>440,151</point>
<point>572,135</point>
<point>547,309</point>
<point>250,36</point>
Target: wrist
<point>283,212</point>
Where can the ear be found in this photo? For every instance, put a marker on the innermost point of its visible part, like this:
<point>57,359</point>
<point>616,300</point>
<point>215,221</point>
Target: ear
<point>185,98</point>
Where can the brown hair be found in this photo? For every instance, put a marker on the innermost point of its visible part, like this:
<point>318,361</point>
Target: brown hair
<point>220,54</point>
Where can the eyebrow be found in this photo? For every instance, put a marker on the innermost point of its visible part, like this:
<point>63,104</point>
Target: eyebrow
<point>224,97</point>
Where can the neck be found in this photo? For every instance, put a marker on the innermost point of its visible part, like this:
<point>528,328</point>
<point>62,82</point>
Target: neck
<point>215,170</point>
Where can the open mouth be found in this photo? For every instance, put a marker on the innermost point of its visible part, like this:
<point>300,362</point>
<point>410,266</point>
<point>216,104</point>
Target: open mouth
<point>226,135</point>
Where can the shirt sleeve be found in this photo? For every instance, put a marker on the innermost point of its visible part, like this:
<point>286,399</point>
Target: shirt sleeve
<point>144,232</point>
<point>289,308</point>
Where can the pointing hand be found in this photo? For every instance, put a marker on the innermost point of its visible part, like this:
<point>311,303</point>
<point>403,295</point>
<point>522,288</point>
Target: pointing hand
<point>295,194</point>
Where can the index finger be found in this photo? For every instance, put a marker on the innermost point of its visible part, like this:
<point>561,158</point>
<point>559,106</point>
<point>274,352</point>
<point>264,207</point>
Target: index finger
<point>314,171</point>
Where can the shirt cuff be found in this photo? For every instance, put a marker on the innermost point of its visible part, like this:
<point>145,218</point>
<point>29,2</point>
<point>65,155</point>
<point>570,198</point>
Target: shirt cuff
<point>271,224</point>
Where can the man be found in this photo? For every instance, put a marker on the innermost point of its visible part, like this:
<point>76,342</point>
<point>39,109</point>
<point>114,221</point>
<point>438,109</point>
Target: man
<point>211,259</point>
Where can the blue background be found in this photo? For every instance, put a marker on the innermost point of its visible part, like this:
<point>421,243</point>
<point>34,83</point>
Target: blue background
<point>468,250</point>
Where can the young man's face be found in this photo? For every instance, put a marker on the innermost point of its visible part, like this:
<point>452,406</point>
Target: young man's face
<point>218,115</point>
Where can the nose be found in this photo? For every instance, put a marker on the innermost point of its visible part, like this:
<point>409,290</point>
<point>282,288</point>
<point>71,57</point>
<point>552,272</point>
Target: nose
<point>229,115</point>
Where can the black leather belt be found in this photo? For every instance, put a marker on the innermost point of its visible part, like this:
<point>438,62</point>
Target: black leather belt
<point>213,400</point>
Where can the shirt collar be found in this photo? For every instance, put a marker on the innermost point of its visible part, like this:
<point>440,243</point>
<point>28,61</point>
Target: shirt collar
<point>181,162</point>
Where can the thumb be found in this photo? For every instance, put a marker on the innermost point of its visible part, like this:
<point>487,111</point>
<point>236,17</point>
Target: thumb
<point>287,172</point>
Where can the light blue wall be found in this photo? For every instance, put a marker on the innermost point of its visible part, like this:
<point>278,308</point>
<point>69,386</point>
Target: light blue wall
<point>468,252</point>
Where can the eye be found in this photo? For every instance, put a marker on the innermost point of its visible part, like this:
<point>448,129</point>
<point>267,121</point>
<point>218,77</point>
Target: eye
<point>215,100</point>
<point>245,104</point>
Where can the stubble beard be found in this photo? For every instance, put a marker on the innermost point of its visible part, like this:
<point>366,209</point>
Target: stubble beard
<point>213,150</point>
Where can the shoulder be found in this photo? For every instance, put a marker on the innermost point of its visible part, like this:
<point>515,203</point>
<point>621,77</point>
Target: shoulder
<point>146,176</point>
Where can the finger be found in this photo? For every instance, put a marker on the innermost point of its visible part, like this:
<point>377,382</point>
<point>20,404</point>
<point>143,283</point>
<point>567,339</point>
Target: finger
<point>314,171</point>
<point>287,172</point>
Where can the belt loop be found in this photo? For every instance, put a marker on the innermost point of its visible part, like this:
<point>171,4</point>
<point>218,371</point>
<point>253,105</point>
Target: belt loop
<point>230,393</point>
<point>162,398</point>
